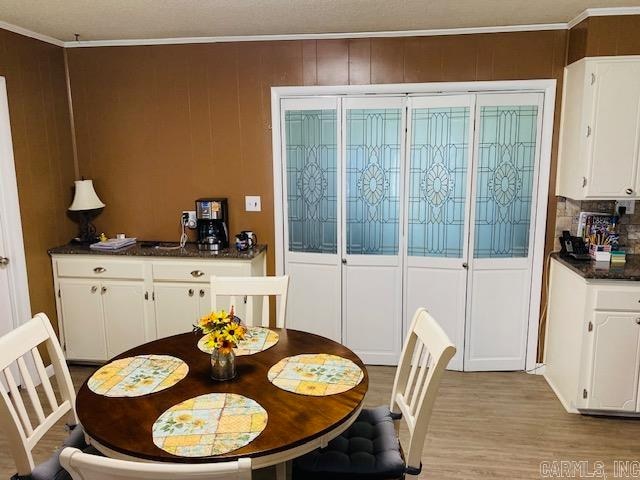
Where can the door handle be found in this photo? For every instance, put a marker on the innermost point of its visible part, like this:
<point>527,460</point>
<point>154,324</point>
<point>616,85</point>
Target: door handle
<point>197,273</point>
<point>99,270</point>
<point>638,321</point>
<point>103,290</point>
<point>465,265</point>
<point>629,191</point>
<point>4,261</point>
<point>201,293</point>
<point>344,261</point>
<point>191,292</point>
<point>94,289</point>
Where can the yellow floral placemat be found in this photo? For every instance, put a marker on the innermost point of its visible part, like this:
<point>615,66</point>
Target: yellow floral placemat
<point>210,424</point>
<point>256,339</point>
<point>136,376</point>
<point>315,374</point>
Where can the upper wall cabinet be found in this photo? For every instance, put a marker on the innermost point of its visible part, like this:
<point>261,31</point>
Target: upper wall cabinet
<point>599,154</point>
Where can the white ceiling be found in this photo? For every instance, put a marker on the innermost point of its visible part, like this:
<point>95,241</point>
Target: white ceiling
<point>146,19</point>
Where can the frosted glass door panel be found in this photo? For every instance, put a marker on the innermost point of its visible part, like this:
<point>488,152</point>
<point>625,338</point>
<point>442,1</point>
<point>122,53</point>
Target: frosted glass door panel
<point>311,176</point>
<point>311,142</point>
<point>373,149</point>
<point>438,181</point>
<point>505,173</point>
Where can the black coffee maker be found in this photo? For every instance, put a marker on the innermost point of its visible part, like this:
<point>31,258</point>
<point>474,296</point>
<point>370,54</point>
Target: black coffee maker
<point>212,216</point>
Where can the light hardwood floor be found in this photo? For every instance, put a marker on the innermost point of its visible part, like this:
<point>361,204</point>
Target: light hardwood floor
<point>484,426</point>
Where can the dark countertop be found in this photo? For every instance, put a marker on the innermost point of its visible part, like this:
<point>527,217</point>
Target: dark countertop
<point>630,270</point>
<point>139,249</point>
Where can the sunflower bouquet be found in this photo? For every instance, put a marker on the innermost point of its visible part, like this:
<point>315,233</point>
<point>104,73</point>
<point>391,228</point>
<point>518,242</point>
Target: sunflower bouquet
<point>222,330</point>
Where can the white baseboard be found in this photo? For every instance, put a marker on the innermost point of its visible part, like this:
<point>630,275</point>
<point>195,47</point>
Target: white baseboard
<point>567,406</point>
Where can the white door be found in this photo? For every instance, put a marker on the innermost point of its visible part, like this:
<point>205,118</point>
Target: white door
<point>177,308</point>
<point>372,246</point>
<point>124,315</point>
<point>615,362</point>
<point>440,135</point>
<point>311,196</point>
<point>506,154</point>
<point>84,333</point>
<point>14,292</point>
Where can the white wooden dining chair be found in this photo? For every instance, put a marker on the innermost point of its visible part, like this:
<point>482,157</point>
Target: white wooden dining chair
<point>20,362</point>
<point>237,288</point>
<point>83,466</point>
<point>370,448</point>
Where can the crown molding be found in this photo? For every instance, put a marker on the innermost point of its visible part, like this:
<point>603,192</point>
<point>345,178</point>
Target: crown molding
<point>589,12</point>
<point>316,36</point>
<point>31,34</point>
<point>602,12</point>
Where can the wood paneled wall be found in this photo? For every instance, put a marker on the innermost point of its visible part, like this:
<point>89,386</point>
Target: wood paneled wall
<point>40,128</point>
<point>601,36</point>
<point>159,126</point>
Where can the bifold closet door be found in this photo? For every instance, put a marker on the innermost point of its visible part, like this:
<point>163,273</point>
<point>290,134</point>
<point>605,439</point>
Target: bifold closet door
<point>372,246</point>
<point>311,179</point>
<point>438,209</point>
<point>506,164</point>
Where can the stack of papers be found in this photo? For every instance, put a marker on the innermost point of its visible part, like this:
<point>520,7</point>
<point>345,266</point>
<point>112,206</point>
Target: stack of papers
<point>113,244</point>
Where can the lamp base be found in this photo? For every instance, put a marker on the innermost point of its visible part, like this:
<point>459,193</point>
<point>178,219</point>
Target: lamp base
<point>87,233</point>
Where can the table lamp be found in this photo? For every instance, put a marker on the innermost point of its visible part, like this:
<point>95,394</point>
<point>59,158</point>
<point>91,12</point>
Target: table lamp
<point>87,203</point>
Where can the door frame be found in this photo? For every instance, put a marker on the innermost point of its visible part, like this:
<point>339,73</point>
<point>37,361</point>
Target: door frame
<point>545,86</point>
<point>10,221</point>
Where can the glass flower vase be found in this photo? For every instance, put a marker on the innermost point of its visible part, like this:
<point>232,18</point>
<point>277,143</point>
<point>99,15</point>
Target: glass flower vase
<point>223,365</point>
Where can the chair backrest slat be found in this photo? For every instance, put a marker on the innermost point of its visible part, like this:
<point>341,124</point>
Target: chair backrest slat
<point>17,403</point>
<point>425,355</point>
<point>20,348</point>
<point>83,466</point>
<point>261,287</point>
<point>44,379</point>
<point>27,381</point>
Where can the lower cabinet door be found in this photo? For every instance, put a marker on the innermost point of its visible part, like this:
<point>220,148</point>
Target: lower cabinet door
<point>177,307</point>
<point>124,315</point>
<point>82,320</point>
<point>615,361</point>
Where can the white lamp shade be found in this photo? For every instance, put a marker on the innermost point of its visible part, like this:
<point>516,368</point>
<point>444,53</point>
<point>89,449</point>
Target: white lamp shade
<point>85,197</point>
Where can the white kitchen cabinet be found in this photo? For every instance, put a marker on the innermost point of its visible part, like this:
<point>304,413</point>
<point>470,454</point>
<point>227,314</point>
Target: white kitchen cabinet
<point>84,333</point>
<point>124,309</point>
<point>109,304</point>
<point>177,307</point>
<point>592,343</point>
<point>103,318</point>
<point>614,350</point>
<point>600,129</point>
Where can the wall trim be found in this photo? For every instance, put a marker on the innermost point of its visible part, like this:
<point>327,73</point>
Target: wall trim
<point>29,33</point>
<point>602,12</point>
<point>316,36</point>
<point>589,12</point>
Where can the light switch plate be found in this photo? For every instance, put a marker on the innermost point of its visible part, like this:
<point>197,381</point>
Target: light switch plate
<point>252,204</point>
<point>630,204</point>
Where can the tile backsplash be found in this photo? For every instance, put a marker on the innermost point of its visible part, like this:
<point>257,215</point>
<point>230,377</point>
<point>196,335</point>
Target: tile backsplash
<point>567,219</point>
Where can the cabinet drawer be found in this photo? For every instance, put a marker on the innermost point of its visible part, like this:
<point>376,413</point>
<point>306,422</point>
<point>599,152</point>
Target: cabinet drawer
<point>198,272</point>
<point>100,268</point>
<point>617,299</point>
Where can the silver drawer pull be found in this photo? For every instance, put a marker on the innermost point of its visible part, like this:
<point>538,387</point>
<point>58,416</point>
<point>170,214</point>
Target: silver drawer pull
<point>197,273</point>
<point>99,270</point>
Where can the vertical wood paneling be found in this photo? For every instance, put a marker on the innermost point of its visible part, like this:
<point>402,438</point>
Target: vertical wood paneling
<point>40,128</point>
<point>603,36</point>
<point>161,126</point>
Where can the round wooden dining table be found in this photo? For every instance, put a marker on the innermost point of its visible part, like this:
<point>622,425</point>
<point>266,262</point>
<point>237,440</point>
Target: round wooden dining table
<point>121,427</point>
